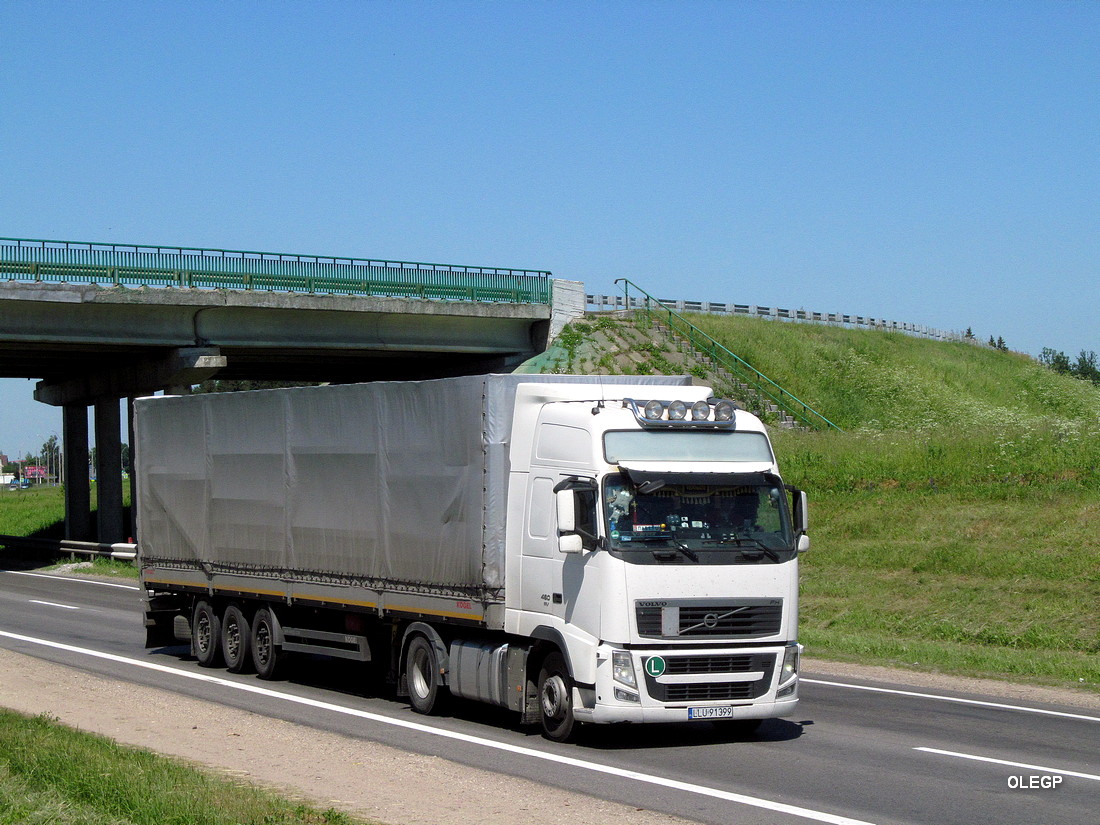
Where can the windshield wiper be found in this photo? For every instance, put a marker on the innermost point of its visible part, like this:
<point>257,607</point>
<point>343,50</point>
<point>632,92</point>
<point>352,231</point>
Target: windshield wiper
<point>739,540</point>
<point>671,541</point>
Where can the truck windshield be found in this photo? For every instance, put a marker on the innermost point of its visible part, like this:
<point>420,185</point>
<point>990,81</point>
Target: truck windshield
<point>747,516</point>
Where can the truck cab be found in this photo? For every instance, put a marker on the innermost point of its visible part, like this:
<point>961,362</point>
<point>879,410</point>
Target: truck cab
<point>657,550</point>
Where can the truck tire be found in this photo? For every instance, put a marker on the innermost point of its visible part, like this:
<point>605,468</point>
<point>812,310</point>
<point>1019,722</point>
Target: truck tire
<point>267,654</point>
<point>236,640</point>
<point>427,693</point>
<point>556,699</point>
<point>206,634</point>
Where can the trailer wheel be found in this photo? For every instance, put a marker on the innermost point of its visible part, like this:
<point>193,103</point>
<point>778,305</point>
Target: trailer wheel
<point>236,640</point>
<point>267,654</point>
<point>556,699</point>
<point>206,634</point>
<point>427,693</point>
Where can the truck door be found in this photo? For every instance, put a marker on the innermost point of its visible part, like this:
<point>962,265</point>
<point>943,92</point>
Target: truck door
<point>541,561</point>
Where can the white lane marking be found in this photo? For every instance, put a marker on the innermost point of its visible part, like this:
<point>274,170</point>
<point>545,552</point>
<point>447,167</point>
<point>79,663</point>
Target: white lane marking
<point>71,579</point>
<point>702,790</point>
<point>1010,764</point>
<point>53,604</point>
<point>978,702</point>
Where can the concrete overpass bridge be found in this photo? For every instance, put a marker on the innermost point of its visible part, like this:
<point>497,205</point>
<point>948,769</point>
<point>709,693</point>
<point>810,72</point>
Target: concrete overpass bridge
<point>97,323</point>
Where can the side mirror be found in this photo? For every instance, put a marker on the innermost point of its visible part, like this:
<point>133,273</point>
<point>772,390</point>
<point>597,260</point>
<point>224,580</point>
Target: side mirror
<point>800,515</point>
<point>803,543</point>
<point>566,506</point>
<point>571,544</point>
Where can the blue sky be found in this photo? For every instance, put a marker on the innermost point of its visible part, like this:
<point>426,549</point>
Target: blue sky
<point>931,162</point>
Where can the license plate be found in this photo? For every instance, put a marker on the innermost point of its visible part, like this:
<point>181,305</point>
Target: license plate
<point>710,713</point>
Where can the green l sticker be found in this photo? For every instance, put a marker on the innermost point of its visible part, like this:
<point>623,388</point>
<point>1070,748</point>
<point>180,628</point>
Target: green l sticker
<point>654,666</point>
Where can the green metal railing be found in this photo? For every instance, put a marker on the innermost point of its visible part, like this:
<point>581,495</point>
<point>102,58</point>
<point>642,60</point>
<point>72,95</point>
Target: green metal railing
<point>183,267</point>
<point>652,307</point>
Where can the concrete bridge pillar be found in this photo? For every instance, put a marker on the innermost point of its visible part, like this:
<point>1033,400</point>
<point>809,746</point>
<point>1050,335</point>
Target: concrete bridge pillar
<point>108,471</point>
<point>78,500</point>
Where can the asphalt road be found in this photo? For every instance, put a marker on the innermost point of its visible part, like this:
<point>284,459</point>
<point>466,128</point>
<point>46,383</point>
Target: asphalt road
<point>856,752</point>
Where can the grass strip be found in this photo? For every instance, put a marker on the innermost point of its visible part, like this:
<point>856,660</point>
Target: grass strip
<point>50,773</point>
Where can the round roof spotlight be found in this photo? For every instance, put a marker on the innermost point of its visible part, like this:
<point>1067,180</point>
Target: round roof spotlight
<point>700,411</point>
<point>677,410</point>
<point>653,410</point>
<point>723,411</point>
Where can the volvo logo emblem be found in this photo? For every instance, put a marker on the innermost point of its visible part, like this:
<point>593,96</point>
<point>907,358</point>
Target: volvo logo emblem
<point>711,620</point>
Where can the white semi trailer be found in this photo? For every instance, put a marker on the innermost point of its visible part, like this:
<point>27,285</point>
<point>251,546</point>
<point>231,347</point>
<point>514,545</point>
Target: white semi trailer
<point>577,549</point>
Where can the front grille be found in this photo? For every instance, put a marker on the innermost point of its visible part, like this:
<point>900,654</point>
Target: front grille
<point>711,691</point>
<point>741,618</point>
<point>679,665</point>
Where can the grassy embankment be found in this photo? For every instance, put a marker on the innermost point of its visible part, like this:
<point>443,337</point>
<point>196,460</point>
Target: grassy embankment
<point>955,520</point>
<point>52,774</point>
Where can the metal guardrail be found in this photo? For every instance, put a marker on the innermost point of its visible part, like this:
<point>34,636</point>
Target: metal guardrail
<point>26,259</point>
<point>751,376</point>
<point>603,303</point>
<point>121,552</point>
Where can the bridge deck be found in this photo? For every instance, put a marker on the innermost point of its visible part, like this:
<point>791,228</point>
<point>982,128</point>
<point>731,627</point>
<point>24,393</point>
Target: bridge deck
<point>182,267</point>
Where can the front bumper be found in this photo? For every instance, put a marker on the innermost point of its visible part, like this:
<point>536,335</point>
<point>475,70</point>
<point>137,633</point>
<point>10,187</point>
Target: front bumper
<point>672,685</point>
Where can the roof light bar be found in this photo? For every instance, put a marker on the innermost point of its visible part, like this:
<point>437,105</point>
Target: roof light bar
<point>711,414</point>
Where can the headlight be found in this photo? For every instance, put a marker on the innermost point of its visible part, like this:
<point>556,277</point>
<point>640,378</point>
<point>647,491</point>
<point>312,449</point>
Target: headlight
<point>677,410</point>
<point>700,411</point>
<point>654,410</point>
<point>723,411</point>
<point>622,668</point>
<point>790,664</point>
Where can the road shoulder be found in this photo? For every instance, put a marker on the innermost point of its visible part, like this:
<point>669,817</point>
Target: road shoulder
<point>353,775</point>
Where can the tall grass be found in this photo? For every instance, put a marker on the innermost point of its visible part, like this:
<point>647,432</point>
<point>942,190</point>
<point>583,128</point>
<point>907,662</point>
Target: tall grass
<point>39,511</point>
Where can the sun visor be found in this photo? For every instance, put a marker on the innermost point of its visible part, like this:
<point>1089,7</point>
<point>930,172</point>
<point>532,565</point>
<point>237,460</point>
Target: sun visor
<point>639,476</point>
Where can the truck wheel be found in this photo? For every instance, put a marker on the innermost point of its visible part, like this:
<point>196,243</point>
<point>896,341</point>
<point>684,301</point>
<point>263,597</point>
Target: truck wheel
<point>236,640</point>
<point>427,693</point>
<point>267,654</point>
<point>206,634</point>
<point>556,699</point>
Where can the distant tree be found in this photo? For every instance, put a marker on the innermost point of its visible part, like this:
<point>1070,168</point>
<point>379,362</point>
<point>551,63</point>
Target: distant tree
<point>969,334</point>
<point>1001,345</point>
<point>992,343</point>
<point>50,456</point>
<point>1055,360</point>
<point>1086,367</point>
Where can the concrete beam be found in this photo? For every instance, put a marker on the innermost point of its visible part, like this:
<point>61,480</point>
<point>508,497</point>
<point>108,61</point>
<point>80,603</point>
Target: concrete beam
<point>179,367</point>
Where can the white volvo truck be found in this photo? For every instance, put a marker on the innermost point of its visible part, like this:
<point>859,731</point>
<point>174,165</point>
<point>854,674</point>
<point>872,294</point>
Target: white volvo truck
<point>579,549</point>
